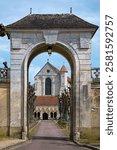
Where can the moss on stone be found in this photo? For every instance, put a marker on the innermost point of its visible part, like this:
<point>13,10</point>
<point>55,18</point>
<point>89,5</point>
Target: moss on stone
<point>89,133</point>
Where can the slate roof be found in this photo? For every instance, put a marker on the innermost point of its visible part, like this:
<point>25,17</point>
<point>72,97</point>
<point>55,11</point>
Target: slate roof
<point>48,21</point>
<point>46,101</point>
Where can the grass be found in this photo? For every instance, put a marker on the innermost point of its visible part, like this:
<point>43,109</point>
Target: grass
<point>89,141</point>
<point>31,133</point>
<point>63,125</point>
<point>2,138</point>
<point>33,130</point>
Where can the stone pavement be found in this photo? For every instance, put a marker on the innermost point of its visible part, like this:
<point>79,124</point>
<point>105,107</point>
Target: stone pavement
<point>48,137</point>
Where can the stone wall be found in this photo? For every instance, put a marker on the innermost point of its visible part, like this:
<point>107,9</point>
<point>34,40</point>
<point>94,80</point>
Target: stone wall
<point>75,46</point>
<point>94,131</point>
<point>4,109</point>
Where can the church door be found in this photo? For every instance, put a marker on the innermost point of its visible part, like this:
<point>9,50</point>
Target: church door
<point>45,116</point>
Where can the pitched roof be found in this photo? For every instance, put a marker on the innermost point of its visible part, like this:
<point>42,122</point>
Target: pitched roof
<point>53,67</point>
<point>48,21</point>
<point>63,69</point>
<point>46,101</point>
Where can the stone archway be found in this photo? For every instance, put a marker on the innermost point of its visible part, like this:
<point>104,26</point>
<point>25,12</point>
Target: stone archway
<point>45,116</point>
<point>70,40</point>
<point>55,115</point>
<point>73,60</point>
<point>51,114</point>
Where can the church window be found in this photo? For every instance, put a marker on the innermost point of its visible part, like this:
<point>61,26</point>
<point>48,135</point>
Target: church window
<point>48,86</point>
<point>48,70</point>
<point>51,114</point>
<point>55,115</point>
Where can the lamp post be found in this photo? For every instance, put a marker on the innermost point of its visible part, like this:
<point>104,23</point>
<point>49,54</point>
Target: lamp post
<point>49,50</point>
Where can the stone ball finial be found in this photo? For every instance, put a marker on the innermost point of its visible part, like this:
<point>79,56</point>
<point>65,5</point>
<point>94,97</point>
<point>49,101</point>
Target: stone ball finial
<point>5,64</point>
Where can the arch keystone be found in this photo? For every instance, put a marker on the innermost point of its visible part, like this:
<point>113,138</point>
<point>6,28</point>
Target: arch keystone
<point>50,36</point>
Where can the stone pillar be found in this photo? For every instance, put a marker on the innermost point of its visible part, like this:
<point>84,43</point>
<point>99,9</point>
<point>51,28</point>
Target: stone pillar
<point>49,115</point>
<point>85,84</point>
<point>58,115</point>
<point>16,101</point>
<point>41,115</point>
<point>75,106</point>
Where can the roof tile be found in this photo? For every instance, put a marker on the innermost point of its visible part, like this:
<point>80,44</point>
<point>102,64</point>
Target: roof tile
<point>48,21</point>
<point>63,69</point>
<point>46,101</point>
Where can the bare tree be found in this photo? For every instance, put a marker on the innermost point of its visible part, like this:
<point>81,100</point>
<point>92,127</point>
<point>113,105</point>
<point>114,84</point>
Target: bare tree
<point>31,106</point>
<point>65,103</point>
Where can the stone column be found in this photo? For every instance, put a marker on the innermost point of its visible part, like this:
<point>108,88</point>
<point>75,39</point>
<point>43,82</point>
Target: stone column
<point>16,100</point>
<point>49,115</point>
<point>41,115</point>
<point>58,115</point>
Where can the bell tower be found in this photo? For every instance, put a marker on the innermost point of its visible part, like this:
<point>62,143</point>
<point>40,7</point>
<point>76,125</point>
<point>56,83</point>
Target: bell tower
<point>63,78</point>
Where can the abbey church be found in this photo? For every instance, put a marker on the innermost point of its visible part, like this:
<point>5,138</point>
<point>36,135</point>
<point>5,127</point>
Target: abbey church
<point>49,83</point>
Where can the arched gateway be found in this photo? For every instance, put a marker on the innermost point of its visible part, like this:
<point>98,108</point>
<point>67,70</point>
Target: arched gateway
<point>68,35</point>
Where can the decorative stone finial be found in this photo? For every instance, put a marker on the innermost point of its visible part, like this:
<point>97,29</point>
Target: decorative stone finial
<point>30,11</point>
<point>5,64</point>
<point>70,10</point>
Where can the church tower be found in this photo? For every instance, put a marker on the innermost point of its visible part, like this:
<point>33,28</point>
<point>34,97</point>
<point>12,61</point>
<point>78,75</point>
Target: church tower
<point>63,78</point>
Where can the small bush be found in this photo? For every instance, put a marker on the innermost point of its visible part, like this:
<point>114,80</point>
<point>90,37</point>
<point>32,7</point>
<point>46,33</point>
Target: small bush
<point>62,123</point>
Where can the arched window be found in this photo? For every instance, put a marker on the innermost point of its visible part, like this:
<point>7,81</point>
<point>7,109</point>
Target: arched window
<point>51,114</point>
<point>55,115</point>
<point>48,86</point>
<point>38,115</point>
<point>45,116</point>
<point>35,114</point>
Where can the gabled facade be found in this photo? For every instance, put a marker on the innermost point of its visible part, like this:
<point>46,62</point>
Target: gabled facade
<point>49,81</point>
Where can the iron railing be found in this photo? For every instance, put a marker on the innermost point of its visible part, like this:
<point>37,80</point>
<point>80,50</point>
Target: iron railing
<point>4,75</point>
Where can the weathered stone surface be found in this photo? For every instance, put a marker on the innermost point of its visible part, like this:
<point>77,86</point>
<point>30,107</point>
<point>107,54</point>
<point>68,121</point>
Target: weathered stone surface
<point>50,36</point>
<point>4,109</point>
<point>74,44</point>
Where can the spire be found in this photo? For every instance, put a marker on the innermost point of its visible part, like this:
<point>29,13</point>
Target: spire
<point>70,10</point>
<point>63,69</point>
<point>30,11</point>
<point>48,60</point>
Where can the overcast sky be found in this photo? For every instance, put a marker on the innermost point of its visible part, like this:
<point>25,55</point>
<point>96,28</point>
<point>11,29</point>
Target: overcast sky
<point>13,10</point>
